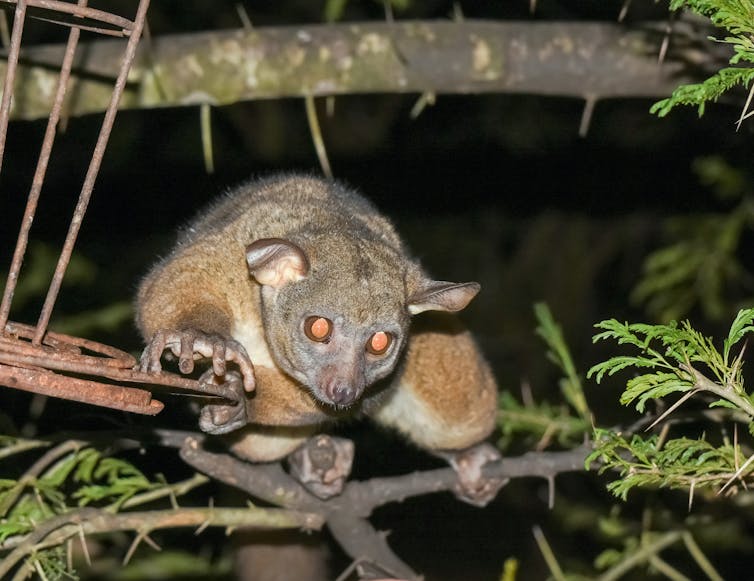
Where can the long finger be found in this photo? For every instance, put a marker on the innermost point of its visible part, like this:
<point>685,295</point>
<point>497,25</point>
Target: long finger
<point>186,355</point>
<point>218,358</point>
<point>240,358</point>
<point>153,352</point>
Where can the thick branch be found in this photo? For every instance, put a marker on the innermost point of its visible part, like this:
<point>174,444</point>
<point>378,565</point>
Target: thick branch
<point>594,60</point>
<point>346,514</point>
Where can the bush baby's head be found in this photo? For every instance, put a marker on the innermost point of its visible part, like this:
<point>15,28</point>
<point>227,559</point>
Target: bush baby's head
<point>336,319</point>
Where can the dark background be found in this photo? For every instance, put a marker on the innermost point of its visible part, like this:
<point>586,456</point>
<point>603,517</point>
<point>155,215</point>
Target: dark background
<point>499,189</point>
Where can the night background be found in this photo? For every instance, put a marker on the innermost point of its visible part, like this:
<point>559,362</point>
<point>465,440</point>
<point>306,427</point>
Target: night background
<point>496,188</point>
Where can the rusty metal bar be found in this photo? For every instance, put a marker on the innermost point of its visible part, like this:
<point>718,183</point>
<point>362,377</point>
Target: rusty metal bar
<point>39,175</point>
<point>85,366</point>
<point>82,390</point>
<point>10,73</point>
<point>81,26</point>
<point>41,361</point>
<point>86,190</point>
<point>117,22</point>
<point>58,345</point>
<point>64,353</point>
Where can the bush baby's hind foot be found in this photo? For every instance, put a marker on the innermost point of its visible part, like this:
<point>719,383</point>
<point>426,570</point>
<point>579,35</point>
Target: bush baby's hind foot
<point>322,464</point>
<point>473,486</point>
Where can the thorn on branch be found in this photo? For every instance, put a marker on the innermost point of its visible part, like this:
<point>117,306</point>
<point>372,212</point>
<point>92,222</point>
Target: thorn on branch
<point>586,114</point>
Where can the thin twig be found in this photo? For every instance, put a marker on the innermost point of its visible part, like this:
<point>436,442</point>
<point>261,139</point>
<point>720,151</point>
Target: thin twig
<point>666,39</point>
<point>425,99</point>
<point>675,406</point>
<point>737,474</point>
<point>548,554</point>
<point>667,569</point>
<point>22,445</point>
<point>586,115</point>
<point>170,490</point>
<point>624,10</point>
<point>703,382</point>
<point>744,113</point>
<point>641,556</point>
<point>51,456</point>
<point>316,133</point>
<point>243,15</point>
<point>205,123</point>
<point>701,559</point>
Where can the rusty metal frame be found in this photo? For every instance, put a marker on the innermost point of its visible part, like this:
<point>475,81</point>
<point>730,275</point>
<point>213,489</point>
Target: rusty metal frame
<point>32,358</point>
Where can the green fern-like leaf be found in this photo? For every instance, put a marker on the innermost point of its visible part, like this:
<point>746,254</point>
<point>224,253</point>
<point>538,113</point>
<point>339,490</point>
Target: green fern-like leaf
<point>741,326</point>
<point>736,17</point>
<point>570,385</point>
<point>676,358</point>
<point>678,463</point>
<point>700,94</point>
<point>653,386</point>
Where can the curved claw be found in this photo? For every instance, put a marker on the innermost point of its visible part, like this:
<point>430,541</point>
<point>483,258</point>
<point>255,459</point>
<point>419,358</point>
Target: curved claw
<point>189,345</point>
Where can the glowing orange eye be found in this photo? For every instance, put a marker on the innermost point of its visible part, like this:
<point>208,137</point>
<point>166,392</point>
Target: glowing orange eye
<point>379,343</point>
<point>318,329</point>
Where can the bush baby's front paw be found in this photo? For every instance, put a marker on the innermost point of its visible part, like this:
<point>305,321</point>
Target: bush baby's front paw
<point>187,345</point>
<point>218,419</point>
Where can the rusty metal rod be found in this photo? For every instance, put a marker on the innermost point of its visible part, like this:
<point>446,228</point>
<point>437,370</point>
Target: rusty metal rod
<point>48,383</point>
<point>87,367</point>
<point>39,175</point>
<point>64,353</point>
<point>91,175</point>
<point>10,74</point>
<point>62,342</point>
<point>98,29</point>
<point>75,10</point>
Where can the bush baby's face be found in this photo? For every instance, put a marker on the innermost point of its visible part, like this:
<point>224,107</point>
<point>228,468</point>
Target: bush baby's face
<point>334,331</point>
<point>338,322</point>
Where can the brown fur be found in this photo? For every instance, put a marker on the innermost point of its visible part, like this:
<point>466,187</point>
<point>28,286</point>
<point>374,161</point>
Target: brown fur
<point>441,393</point>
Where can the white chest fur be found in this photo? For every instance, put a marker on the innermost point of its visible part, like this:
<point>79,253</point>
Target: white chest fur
<point>251,335</point>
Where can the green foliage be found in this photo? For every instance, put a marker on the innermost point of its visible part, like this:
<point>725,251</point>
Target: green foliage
<point>51,564</point>
<point>680,463</point>
<point>80,477</point>
<point>570,385</point>
<point>542,420</point>
<point>671,352</point>
<point>737,18</point>
<point>638,547</point>
<point>701,265</point>
<point>669,360</point>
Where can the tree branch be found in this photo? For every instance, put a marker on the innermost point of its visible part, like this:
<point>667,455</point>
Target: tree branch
<point>346,514</point>
<point>89,521</point>
<point>576,59</point>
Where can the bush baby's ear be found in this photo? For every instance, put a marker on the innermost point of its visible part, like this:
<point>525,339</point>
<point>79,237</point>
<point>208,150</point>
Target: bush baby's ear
<point>437,295</point>
<point>276,262</point>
